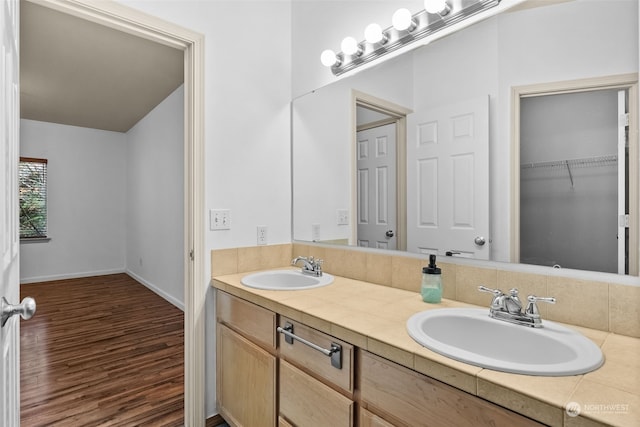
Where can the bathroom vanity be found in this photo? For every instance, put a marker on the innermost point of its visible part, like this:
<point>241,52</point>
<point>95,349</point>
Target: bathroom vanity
<point>266,378</point>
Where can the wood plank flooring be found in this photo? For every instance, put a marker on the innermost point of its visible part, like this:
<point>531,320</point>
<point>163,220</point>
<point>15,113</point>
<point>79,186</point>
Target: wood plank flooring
<point>101,351</point>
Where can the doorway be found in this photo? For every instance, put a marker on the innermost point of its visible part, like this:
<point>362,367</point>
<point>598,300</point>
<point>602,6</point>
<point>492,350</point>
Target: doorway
<point>131,21</point>
<point>380,177</point>
<point>577,170</point>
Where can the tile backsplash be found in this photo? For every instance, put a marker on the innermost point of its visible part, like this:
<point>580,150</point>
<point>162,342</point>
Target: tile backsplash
<point>589,303</point>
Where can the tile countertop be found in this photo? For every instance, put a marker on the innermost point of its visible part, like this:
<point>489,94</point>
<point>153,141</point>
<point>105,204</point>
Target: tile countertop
<point>373,317</point>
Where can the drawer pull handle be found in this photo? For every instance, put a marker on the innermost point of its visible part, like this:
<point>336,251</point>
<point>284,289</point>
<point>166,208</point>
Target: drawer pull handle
<point>335,352</point>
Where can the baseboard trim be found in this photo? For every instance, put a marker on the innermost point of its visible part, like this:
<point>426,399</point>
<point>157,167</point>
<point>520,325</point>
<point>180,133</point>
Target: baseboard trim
<point>53,277</point>
<point>153,288</point>
<point>214,421</point>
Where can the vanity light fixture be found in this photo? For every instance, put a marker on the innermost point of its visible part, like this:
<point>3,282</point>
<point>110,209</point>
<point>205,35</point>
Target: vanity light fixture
<point>330,59</point>
<point>350,46</point>
<point>403,21</point>
<point>405,29</point>
<point>437,7</point>
<point>373,34</point>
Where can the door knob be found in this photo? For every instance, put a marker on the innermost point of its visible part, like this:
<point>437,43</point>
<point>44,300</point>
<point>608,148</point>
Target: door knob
<point>389,233</point>
<point>480,241</point>
<point>26,309</point>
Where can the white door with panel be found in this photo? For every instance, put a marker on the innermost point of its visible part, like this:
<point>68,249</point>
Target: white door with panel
<point>376,187</point>
<point>9,239</point>
<point>448,180</point>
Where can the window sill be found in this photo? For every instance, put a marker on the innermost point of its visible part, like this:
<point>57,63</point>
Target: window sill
<point>35,240</point>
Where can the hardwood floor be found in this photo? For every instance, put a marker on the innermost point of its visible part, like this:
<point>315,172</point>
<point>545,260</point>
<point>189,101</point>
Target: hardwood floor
<point>101,351</point>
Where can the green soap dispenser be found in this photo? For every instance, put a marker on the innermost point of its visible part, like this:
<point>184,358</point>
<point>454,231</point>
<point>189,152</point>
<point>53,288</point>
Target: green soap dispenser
<point>431,289</point>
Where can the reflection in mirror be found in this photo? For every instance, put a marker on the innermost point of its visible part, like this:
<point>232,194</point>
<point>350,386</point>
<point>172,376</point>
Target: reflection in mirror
<point>484,61</point>
<point>578,175</point>
<point>380,162</point>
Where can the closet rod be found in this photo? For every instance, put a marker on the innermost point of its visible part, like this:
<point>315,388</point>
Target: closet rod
<point>586,162</point>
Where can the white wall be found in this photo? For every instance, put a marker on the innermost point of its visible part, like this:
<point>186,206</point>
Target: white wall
<point>155,199</point>
<point>247,143</point>
<point>86,197</point>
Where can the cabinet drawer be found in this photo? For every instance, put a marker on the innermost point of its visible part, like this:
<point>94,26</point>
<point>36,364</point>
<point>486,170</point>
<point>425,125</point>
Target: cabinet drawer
<point>254,322</point>
<point>284,423</point>
<point>315,361</point>
<point>306,402</point>
<point>412,399</point>
<point>367,419</point>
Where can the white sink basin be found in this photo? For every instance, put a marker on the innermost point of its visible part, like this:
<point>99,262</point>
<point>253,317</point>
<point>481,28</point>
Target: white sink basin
<point>471,336</point>
<point>285,280</point>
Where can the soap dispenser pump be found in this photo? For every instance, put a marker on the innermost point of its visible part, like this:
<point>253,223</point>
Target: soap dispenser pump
<point>431,288</point>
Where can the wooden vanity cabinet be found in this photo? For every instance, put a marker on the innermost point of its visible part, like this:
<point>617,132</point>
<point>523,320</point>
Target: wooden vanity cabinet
<point>314,390</point>
<point>404,397</point>
<point>246,365</point>
<point>264,381</point>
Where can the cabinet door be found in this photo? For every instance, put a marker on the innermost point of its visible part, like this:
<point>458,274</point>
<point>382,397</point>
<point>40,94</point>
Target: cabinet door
<point>306,402</point>
<point>412,399</point>
<point>246,384</point>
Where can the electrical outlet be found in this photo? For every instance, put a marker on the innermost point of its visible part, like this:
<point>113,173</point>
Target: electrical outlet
<point>220,219</point>
<point>315,232</point>
<point>262,235</point>
<point>342,216</point>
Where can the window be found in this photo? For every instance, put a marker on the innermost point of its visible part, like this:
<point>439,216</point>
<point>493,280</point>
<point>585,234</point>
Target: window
<point>33,198</point>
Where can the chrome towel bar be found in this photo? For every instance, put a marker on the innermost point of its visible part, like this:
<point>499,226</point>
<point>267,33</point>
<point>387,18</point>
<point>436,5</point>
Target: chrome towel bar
<point>335,352</point>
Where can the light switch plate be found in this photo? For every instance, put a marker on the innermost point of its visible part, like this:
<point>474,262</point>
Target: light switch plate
<point>342,216</point>
<point>220,219</point>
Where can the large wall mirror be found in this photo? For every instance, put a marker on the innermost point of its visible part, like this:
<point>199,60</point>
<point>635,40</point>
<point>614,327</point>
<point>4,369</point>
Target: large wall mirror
<point>375,149</point>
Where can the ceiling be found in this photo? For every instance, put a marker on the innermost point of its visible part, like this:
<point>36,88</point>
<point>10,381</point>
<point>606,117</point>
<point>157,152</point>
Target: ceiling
<point>80,73</point>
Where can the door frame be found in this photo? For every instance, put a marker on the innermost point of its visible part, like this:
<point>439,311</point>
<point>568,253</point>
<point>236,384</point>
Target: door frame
<point>123,18</point>
<point>621,81</point>
<point>399,115</point>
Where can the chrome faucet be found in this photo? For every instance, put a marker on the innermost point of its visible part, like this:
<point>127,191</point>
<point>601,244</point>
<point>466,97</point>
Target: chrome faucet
<point>509,307</point>
<point>311,266</point>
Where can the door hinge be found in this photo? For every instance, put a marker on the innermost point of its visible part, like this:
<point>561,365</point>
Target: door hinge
<point>624,120</point>
<point>623,221</point>
<point>191,254</point>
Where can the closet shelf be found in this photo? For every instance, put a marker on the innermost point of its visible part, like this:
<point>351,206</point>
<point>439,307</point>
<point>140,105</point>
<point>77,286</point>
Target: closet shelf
<point>611,160</point>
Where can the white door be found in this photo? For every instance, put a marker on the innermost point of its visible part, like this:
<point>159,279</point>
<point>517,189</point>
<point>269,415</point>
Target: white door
<point>9,239</point>
<point>376,187</point>
<point>448,180</point>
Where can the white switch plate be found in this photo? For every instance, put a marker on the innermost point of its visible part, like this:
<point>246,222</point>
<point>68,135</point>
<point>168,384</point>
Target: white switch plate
<point>262,234</point>
<point>342,216</point>
<point>315,232</point>
<point>220,219</point>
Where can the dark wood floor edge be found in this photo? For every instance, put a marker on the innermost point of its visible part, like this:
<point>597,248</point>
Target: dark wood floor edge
<point>214,421</point>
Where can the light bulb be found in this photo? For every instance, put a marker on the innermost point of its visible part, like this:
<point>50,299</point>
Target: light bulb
<point>402,20</point>
<point>373,34</point>
<point>436,7</point>
<point>350,46</point>
<point>328,58</point>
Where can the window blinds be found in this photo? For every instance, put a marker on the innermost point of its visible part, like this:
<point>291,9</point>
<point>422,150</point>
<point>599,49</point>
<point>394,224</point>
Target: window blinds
<point>33,198</point>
